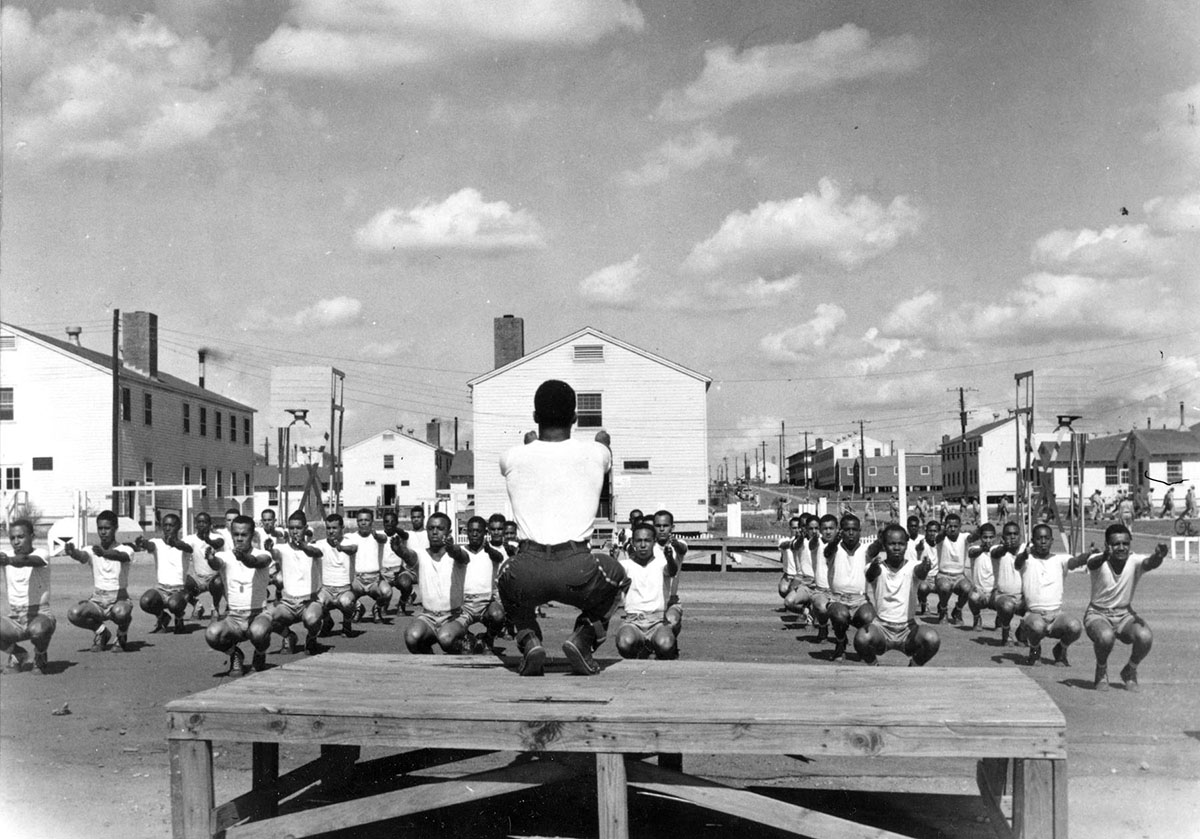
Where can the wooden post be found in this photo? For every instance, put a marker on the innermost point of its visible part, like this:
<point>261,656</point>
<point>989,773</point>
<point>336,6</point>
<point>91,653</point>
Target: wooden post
<point>339,766</point>
<point>724,556</point>
<point>192,796</point>
<point>612,796</point>
<point>264,772</point>
<point>1039,799</point>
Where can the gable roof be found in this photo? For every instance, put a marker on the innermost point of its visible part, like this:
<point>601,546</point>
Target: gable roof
<point>602,336</point>
<point>1164,442</point>
<point>400,434</point>
<point>980,431</point>
<point>103,361</point>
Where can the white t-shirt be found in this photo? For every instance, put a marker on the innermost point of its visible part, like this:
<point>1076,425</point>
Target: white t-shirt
<point>418,541</point>
<point>300,573</point>
<point>108,574</point>
<point>952,555</point>
<point>982,572</point>
<point>646,583</point>
<point>261,535</point>
<point>200,566</point>
<point>335,565</point>
<point>791,567</point>
<point>389,558</point>
<point>554,488</point>
<point>245,587</point>
<point>370,552</point>
<point>804,559</point>
<point>1042,581</point>
<point>481,571</point>
<point>169,563</point>
<point>820,566</point>
<point>849,574</point>
<point>1008,578</point>
<point>1110,591</point>
<point>927,551</point>
<point>893,593</point>
<point>29,585</point>
<point>441,581</point>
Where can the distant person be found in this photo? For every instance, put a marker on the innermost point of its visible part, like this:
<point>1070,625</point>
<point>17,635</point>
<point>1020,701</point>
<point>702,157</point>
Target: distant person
<point>368,579</point>
<point>337,576</point>
<point>672,549</point>
<point>110,579</point>
<point>789,556</point>
<point>479,602</point>
<point>894,626</point>
<point>1110,617</point>
<point>848,604</point>
<point>1008,599</point>
<point>395,564</point>
<point>1042,576</point>
<point>646,629</point>
<point>1189,502</point>
<point>442,568</point>
<point>168,599</point>
<point>1168,507</point>
<point>27,578</point>
<point>1126,510</point>
<point>927,548</point>
<point>1002,512</point>
<point>951,565</point>
<point>299,565</point>
<point>202,579</point>
<point>981,574</point>
<point>799,595</point>
<point>923,508</point>
<point>822,533</point>
<point>554,483</point>
<point>245,571</point>
<point>1096,506</point>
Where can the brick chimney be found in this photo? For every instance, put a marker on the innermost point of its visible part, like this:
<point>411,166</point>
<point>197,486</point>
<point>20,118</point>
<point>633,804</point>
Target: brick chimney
<point>433,432</point>
<point>510,339</point>
<point>139,342</point>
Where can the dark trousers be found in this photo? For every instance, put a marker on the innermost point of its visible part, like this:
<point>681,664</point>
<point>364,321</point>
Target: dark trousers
<point>569,573</point>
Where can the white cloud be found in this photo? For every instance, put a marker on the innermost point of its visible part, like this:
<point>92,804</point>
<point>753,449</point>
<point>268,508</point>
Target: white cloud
<point>85,85</point>
<point>679,155</point>
<point>915,316</point>
<point>777,237</point>
<point>1174,214</point>
<point>616,285</point>
<point>463,222</point>
<point>381,350</point>
<point>844,54</point>
<point>1179,125</point>
<point>723,297</point>
<point>353,38</point>
<point>1120,250</point>
<point>798,342</point>
<point>332,311</point>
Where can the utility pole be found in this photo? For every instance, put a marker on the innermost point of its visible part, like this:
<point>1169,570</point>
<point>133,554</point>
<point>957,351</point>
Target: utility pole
<point>764,461</point>
<point>806,462</point>
<point>781,467</point>
<point>962,406</point>
<point>116,409</point>
<point>862,459</point>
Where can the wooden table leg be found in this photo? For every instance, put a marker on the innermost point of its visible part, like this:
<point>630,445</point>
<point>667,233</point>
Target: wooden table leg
<point>340,762</point>
<point>1040,799</point>
<point>192,796</point>
<point>612,796</point>
<point>671,760</point>
<point>264,772</point>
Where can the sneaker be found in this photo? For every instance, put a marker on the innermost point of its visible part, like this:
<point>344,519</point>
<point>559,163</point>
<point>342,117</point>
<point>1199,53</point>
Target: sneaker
<point>17,658</point>
<point>179,630</point>
<point>100,639</point>
<point>1101,680</point>
<point>326,626</point>
<point>40,662</point>
<point>312,646</point>
<point>1129,677</point>
<point>259,661</point>
<point>377,613</point>
<point>1035,656</point>
<point>161,623</point>
<point>839,650</point>
<point>360,611</point>
<point>956,617</point>
<point>348,629</point>
<point>941,615</point>
<point>533,661</point>
<point>237,663</point>
<point>1060,655</point>
<point>578,650</point>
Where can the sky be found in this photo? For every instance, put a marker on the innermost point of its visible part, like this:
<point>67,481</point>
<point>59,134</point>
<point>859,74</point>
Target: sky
<point>839,211</point>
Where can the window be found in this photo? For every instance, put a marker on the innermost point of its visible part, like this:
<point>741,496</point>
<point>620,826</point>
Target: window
<point>217,424</point>
<point>404,483</point>
<point>247,488</point>
<point>12,477</point>
<point>1124,473</point>
<point>388,436</point>
<point>6,403</point>
<point>246,431</point>
<point>220,480</point>
<point>872,471</point>
<point>1110,474</point>
<point>924,470</point>
<point>232,428</point>
<point>203,421</point>
<point>389,461</point>
<point>43,464</point>
<point>147,409</point>
<point>589,352</point>
<point>187,474</point>
<point>895,471</point>
<point>126,405</point>
<point>203,474</point>
<point>845,452</point>
<point>878,452</point>
<point>369,483</point>
<point>589,409</point>
<point>636,465</point>
<point>273,497</point>
<point>187,418</point>
<point>148,472</point>
<point>1174,470</point>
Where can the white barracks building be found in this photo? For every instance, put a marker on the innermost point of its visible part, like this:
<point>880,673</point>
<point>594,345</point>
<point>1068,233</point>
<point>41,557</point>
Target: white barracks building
<point>654,409</point>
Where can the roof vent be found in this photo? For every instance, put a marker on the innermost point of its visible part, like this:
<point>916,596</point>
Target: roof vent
<point>589,352</point>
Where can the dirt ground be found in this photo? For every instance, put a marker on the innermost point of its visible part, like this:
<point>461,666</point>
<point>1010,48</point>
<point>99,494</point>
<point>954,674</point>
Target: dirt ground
<point>101,769</point>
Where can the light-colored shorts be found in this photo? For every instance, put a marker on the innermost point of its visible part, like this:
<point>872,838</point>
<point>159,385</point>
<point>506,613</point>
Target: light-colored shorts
<point>368,579</point>
<point>1119,620</point>
<point>896,635</point>
<point>821,598</point>
<point>240,619</point>
<point>202,581</point>
<point>953,579</point>
<point>644,621</point>
<point>291,609</point>
<point>21,616</point>
<point>106,600</point>
<point>330,594</point>
<point>1046,615</point>
<point>436,620</point>
<point>853,599</point>
<point>473,609</point>
<point>167,591</point>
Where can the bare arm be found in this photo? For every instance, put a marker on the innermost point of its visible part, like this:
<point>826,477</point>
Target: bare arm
<point>1155,559</point>
<point>18,560</point>
<point>111,554</point>
<point>923,568</point>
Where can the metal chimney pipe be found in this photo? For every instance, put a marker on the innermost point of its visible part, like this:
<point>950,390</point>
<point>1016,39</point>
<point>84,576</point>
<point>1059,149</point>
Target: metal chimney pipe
<point>201,354</point>
<point>73,333</point>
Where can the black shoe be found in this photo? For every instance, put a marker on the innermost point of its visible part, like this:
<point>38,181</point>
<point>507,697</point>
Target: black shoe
<point>822,633</point>
<point>839,650</point>
<point>1129,677</point>
<point>312,646</point>
<point>197,611</point>
<point>956,617</point>
<point>1020,636</point>
<point>100,639</point>
<point>578,650</point>
<point>1060,655</point>
<point>259,660</point>
<point>920,607</point>
<point>288,644</point>
<point>977,622</point>
<point>1004,640</point>
<point>17,658</point>
<point>941,616</point>
<point>1100,682</point>
<point>40,662</point>
<point>179,630</point>
<point>326,626</point>
<point>1035,656</point>
<point>533,662</point>
<point>161,624</point>
<point>122,645</point>
<point>348,629</point>
<point>237,663</point>
<point>360,611</point>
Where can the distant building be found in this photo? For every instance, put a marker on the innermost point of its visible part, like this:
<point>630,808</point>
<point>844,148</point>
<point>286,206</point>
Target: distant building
<point>1100,468</point>
<point>57,419</point>
<point>1157,458</point>
<point>923,473</point>
<point>836,465</point>
<point>800,464</point>
<point>983,462</point>
<point>391,469</point>
<point>654,409</point>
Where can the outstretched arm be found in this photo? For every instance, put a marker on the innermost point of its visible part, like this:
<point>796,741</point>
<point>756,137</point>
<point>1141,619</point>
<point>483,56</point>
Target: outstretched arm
<point>20,560</point>
<point>1156,559</point>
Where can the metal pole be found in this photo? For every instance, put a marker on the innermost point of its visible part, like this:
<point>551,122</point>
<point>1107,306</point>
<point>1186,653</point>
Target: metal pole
<point>806,461</point>
<point>116,408</point>
<point>287,472</point>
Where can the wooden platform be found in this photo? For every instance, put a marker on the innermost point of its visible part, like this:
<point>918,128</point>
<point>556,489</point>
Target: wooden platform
<point>449,707</point>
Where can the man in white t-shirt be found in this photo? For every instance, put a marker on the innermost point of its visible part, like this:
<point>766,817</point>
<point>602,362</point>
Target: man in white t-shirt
<point>246,573</point>
<point>672,549</point>
<point>398,563</point>
<point>27,578</point>
<point>479,603</point>
<point>171,555</point>
<point>1008,597</point>
<point>1042,577</point>
<point>981,572</point>
<point>848,604</point>
<point>299,568</point>
<point>1109,618</point>
<point>337,576</point>
<point>443,567</point>
<point>646,628</point>
<point>952,547</point>
<point>890,584</point>
<point>368,566</point>
<point>554,483</point>
<point>201,577</point>
<point>110,580</point>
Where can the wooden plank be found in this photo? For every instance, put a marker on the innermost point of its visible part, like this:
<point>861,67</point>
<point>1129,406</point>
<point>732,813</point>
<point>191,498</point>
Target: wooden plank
<point>1060,798</point>
<point>750,806</point>
<point>612,796</point>
<point>264,773</point>
<point>1033,799</point>
<point>192,796</point>
<point>255,804</point>
<point>922,739</point>
<point>516,777</point>
<point>991,774</point>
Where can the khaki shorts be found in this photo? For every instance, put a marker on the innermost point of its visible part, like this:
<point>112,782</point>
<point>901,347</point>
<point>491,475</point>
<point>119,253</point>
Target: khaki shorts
<point>105,600</point>
<point>473,609</point>
<point>853,599</point>
<point>644,621</point>
<point>329,594</point>
<point>240,619</point>
<point>896,635</point>
<point>290,609</point>
<point>21,616</point>
<point>436,620</point>
<point>1119,620</point>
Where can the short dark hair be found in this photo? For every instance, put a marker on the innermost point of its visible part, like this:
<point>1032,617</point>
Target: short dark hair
<point>244,520</point>
<point>1114,529</point>
<point>554,403</point>
<point>438,515</point>
<point>666,513</point>
<point>829,517</point>
<point>953,517</point>
<point>233,510</point>
<point>912,519</point>
<point>335,518</point>
<point>642,525</point>
<point>298,516</point>
<point>894,528</point>
<point>108,516</point>
<point>479,519</point>
<point>169,517</point>
<point>846,519</point>
<point>497,518</point>
<point>796,520</point>
<point>22,522</point>
<point>987,527</point>
<point>366,510</point>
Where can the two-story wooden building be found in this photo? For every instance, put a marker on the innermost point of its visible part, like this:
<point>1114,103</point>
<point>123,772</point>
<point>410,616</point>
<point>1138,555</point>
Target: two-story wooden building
<point>59,415</point>
<point>654,409</point>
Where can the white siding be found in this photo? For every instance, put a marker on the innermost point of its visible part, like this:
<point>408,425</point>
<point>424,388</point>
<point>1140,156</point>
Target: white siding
<point>62,410</point>
<point>652,412</point>
<point>364,475</point>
